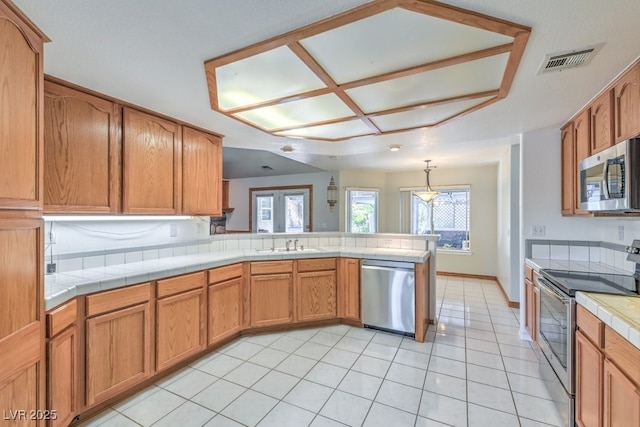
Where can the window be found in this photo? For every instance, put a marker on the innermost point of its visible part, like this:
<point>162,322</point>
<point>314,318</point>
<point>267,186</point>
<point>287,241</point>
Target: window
<point>362,210</point>
<point>450,214</point>
<point>281,210</point>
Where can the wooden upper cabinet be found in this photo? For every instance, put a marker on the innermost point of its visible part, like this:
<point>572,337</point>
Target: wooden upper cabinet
<point>82,152</point>
<point>627,104</point>
<point>201,173</point>
<point>602,122</point>
<point>568,169</point>
<point>21,100</point>
<point>582,144</point>
<point>151,164</point>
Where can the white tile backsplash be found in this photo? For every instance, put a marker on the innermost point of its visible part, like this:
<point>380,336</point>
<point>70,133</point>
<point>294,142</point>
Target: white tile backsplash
<point>192,249</point>
<point>361,242</point>
<point>93,262</point>
<point>179,251</point>
<point>559,252</point>
<point>579,253</point>
<point>609,256</point>
<point>165,252</point>
<point>130,257</point>
<point>71,264</point>
<point>594,254</point>
<point>244,244</point>
<point>114,259</point>
<point>150,254</point>
<point>540,251</point>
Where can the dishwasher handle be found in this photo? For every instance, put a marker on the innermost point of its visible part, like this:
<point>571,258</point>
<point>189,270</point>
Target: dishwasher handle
<point>388,264</point>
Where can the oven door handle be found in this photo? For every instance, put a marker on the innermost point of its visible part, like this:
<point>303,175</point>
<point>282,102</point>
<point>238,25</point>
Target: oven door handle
<point>549,289</point>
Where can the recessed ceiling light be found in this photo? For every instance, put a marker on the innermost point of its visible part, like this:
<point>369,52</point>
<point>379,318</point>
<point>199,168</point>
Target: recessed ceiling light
<point>287,149</point>
<point>394,147</point>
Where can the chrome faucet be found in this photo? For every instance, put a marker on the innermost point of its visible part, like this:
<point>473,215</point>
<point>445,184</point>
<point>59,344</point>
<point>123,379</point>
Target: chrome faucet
<point>295,245</point>
<point>287,244</point>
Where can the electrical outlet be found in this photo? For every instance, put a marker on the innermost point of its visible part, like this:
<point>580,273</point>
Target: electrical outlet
<point>621,232</point>
<point>173,230</point>
<point>51,238</point>
<point>51,268</point>
<point>537,230</point>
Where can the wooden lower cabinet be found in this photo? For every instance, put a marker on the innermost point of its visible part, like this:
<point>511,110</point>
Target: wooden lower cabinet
<point>621,398</point>
<point>349,288</point>
<point>118,342</point>
<point>180,318</point>
<point>62,376</point>
<point>531,309</point>
<point>271,299</point>
<point>316,295</point>
<point>225,309</point>
<point>589,363</point>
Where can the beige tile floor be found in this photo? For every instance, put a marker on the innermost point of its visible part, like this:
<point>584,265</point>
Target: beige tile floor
<point>474,370</point>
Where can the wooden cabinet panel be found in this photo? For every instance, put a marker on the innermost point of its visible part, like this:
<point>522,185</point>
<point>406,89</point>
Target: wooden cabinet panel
<point>118,351</point>
<point>180,327</point>
<point>349,288</point>
<point>20,113</point>
<point>271,299</point>
<point>568,177</point>
<point>20,392</point>
<point>61,318</point>
<point>531,307</point>
<point>225,196</point>
<point>589,364</point>
<point>270,267</point>
<point>582,141</point>
<point>621,398</point>
<point>627,104</point>
<point>602,122</point>
<point>225,309</point>
<point>82,152</point>
<point>625,354</point>
<point>62,369</point>
<point>21,276</point>
<point>151,164</point>
<point>106,301</point>
<point>590,326</point>
<point>201,173</point>
<point>317,264</point>
<point>316,295</point>
<point>175,285</point>
<point>222,274</point>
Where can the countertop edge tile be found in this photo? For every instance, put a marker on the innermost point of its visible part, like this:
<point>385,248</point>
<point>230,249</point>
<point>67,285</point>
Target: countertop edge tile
<point>629,331</point>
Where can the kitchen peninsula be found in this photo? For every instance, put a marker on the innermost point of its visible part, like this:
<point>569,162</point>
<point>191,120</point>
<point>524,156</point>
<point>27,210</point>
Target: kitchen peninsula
<point>146,318</point>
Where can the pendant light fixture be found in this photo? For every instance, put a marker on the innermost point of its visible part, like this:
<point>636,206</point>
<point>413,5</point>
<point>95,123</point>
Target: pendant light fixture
<point>426,195</point>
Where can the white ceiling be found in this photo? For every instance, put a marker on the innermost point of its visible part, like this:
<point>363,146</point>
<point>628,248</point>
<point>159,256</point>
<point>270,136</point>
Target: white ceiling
<point>151,53</point>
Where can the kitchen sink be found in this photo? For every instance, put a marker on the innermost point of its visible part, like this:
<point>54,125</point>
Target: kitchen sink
<point>284,250</point>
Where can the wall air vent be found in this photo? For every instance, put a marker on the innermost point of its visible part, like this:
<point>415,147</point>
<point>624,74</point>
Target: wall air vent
<point>571,59</point>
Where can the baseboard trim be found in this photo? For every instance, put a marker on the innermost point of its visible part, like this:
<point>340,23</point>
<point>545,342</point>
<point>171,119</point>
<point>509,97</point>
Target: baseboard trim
<point>511,304</point>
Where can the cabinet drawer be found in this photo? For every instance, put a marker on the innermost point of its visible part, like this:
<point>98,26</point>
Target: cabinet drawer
<point>590,326</point>
<point>528,272</point>
<point>175,285</point>
<point>61,317</point>
<point>624,354</point>
<point>269,267</point>
<point>222,274</point>
<point>317,264</point>
<point>118,298</point>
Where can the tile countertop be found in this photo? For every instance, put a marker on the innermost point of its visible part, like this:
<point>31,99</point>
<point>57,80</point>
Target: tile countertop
<point>62,287</point>
<point>620,313</point>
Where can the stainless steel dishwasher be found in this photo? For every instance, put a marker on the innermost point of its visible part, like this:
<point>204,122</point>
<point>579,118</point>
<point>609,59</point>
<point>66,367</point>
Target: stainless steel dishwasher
<point>388,296</point>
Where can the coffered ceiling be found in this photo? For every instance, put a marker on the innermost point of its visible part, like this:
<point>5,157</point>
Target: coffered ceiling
<point>151,53</point>
<point>384,67</point>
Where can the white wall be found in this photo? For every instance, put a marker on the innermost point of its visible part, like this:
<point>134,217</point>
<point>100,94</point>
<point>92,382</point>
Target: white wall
<point>323,218</point>
<point>483,221</point>
<point>508,228</point>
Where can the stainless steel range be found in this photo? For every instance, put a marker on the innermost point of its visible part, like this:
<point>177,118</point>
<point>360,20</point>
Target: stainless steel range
<point>557,324</point>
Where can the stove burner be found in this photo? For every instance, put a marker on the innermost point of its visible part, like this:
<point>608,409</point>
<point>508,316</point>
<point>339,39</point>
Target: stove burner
<point>605,283</point>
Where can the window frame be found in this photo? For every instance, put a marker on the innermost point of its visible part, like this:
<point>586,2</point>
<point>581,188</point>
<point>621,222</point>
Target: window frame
<point>348,213</point>
<point>284,190</point>
<point>443,188</point>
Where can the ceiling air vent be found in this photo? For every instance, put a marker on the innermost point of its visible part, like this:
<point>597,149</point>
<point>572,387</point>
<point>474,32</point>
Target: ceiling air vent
<point>571,59</point>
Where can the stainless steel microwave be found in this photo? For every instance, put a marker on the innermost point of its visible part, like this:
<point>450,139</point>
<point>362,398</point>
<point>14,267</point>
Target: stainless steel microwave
<point>610,180</point>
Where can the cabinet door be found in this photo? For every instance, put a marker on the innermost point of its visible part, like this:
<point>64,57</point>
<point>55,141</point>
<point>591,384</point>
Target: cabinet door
<point>62,368</point>
<point>180,327</point>
<point>621,398</point>
<point>271,299</point>
<point>589,363</point>
<point>151,164</point>
<point>602,122</point>
<point>349,288</point>
<point>568,177</point>
<point>118,351</point>
<point>582,138</point>
<point>82,152</point>
<point>20,113</point>
<point>316,295</point>
<point>202,173</point>
<point>627,104</point>
<point>225,309</point>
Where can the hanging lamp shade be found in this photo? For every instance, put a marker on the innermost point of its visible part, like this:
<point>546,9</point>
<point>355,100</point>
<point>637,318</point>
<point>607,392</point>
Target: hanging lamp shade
<point>332,194</point>
<point>428,194</point>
